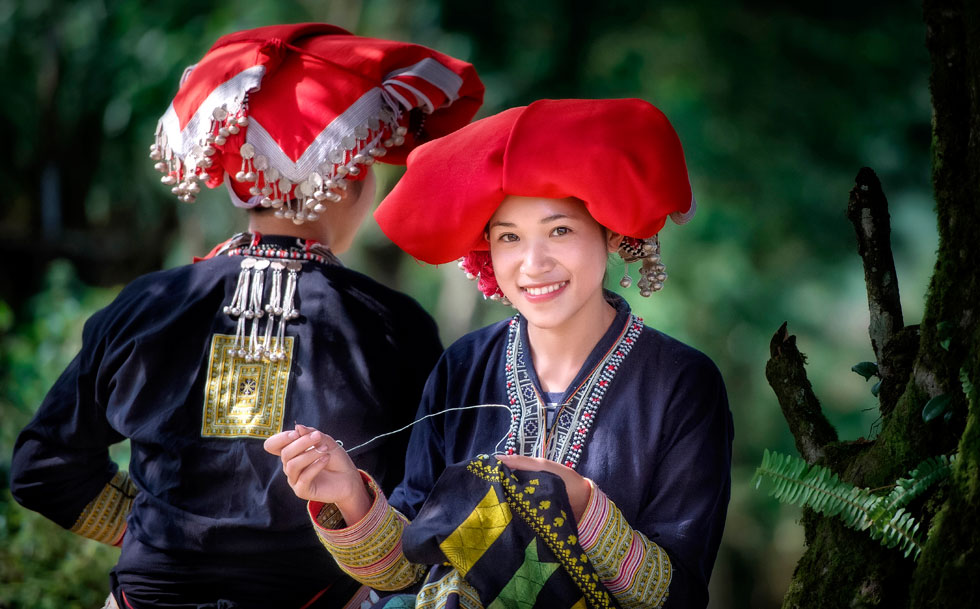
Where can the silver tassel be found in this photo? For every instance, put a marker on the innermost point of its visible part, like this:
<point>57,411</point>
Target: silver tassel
<point>255,312</point>
<point>273,308</point>
<point>239,302</point>
<point>249,304</point>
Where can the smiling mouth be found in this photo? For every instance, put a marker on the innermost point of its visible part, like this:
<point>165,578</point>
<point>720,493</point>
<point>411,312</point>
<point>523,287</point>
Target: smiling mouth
<point>545,289</point>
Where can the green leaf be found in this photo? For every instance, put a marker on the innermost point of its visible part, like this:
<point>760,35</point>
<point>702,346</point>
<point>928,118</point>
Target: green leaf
<point>876,388</point>
<point>944,331</point>
<point>935,407</point>
<point>866,369</point>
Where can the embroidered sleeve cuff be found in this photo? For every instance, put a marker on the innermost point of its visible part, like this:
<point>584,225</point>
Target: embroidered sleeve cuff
<point>634,569</point>
<point>104,518</point>
<point>369,550</point>
<point>593,518</point>
<point>330,524</point>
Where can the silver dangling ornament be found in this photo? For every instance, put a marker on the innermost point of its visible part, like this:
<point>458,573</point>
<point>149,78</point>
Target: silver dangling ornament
<point>653,273</point>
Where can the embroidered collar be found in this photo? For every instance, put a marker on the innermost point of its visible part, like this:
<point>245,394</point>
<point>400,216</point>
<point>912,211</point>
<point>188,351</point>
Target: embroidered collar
<point>277,246</point>
<point>568,435</point>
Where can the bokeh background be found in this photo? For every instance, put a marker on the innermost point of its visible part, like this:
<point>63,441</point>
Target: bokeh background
<point>777,104</point>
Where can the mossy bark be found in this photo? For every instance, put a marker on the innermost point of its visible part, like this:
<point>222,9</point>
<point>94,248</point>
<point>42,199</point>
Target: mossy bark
<point>845,568</point>
<point>947,573</point>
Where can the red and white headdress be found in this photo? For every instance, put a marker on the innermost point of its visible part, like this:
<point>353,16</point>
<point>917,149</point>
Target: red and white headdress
<point>286,115</point>
<point>621,157</point>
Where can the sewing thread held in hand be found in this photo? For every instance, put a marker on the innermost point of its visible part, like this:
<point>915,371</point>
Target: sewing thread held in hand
<point>422,419</point>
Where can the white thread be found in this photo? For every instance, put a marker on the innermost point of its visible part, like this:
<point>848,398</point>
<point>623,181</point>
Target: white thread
<point>496,447</point>
<point>426,417</point>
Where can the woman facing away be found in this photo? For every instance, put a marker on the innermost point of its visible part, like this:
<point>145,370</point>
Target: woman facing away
<point>197,365</point>
<point>611,475</point>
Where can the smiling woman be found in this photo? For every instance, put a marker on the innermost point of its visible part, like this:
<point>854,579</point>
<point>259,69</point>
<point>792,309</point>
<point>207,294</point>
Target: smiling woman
<point>549,258</point>
<point>612,481</point>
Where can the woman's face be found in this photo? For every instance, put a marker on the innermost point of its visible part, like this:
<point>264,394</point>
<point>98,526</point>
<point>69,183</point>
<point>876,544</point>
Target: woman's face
<point>549,257</point>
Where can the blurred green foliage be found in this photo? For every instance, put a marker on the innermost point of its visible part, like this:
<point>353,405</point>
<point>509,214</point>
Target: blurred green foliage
<point>777,105</point>
<point>42,566</point>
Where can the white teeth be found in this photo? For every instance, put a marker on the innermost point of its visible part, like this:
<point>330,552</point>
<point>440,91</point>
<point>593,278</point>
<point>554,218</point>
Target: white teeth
<point>546,289</point>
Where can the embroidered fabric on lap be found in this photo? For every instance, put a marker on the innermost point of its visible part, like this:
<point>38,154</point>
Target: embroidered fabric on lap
<point>104,518</point>
<point>575,417</point>
<point>551,524</point>
<point>509,534</point>
<point>465,545</point>
<point>437,594</point>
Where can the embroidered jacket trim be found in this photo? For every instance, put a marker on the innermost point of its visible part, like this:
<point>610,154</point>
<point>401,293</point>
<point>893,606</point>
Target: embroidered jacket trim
<point>104,518</point>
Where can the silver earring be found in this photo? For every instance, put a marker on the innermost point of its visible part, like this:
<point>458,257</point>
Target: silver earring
<point>652,270</point>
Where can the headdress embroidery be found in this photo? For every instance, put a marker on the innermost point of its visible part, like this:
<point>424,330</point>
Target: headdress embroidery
<point>287,116</point>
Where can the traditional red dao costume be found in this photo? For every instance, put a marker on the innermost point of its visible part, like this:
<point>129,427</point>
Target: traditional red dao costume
<point>646,418</point>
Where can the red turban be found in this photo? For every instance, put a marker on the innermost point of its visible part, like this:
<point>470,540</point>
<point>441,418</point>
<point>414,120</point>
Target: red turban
<point>304,106</point>
<point>621,157</point>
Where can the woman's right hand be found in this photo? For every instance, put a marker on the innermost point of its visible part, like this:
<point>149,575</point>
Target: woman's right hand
<point>319,469</point>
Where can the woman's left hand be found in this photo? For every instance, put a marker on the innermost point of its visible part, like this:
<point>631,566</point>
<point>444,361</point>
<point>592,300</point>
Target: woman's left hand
<point>577,487</point>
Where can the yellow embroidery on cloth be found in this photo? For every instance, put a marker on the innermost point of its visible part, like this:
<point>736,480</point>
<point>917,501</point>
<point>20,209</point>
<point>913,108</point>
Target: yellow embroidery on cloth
<point>244,399</point>
<point>104,518</point>
<point>433,595</point>
<point>482,527</point>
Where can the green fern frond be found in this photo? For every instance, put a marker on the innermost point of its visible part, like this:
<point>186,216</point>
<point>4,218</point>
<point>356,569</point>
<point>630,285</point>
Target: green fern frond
<point>792,480</point>
<point>922,477</point>
<point>968,388</point>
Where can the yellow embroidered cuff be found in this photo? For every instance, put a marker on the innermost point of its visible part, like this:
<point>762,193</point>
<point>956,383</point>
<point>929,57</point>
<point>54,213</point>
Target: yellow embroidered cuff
<point>634,569</point>
<point>334,530</point>
<point>328,515</point>
<point>369,550</point>
<point>104,518</point>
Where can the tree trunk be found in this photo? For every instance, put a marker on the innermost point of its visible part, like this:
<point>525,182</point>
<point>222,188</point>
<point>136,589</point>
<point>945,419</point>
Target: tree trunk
<point>846,568</point>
